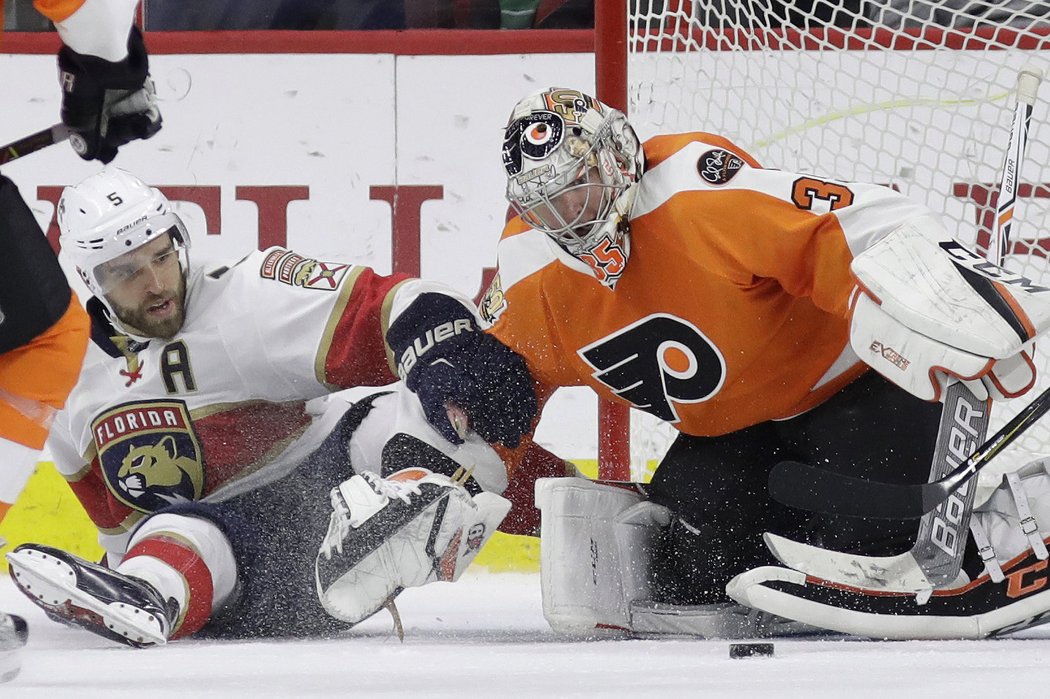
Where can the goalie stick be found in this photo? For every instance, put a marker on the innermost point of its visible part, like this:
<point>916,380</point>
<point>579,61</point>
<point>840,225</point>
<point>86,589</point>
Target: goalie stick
<point>814,489</point>
<point>33,142</point>
<point>940,543</point>
<point>936,557</point>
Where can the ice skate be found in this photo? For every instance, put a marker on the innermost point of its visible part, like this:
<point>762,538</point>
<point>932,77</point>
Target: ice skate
<point>103,601</point>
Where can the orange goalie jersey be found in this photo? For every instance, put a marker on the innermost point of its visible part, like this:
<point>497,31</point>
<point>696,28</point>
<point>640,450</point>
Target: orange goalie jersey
<point>732,307</point>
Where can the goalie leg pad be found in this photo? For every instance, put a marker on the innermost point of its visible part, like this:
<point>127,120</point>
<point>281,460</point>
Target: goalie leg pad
<point>1011,530</point>
<point>386,534</point>
<point>1016,516</point>
<point>976,610</point>
<point>596,543</point>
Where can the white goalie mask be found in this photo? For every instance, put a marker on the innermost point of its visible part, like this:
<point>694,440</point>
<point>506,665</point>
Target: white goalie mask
<point>108,215</point>
<point>572,163</point>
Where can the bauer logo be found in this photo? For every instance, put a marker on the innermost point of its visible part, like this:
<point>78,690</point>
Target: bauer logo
<point>149,454</point>
<point>718,166</point>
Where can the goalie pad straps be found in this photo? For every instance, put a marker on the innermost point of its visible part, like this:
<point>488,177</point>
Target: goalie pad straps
<point>1026,521</point>
<point>986,552</point>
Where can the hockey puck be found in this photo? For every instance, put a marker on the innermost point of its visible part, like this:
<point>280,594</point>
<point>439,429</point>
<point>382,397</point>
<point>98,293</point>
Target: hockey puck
<point>750,650</point>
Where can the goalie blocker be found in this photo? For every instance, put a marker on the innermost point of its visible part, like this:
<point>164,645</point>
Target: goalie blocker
<point>928,309</point>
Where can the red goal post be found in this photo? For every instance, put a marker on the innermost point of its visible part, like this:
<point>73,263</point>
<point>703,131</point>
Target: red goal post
<point>918,101</point>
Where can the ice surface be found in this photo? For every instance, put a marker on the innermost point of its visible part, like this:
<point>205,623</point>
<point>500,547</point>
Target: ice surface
<point>485,637</point>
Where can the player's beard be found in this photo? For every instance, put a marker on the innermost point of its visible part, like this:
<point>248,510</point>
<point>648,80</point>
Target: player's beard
<point>139,321</point>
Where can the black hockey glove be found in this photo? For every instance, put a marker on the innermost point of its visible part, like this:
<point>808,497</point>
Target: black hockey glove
<point>107,104</point>
<point>446,359</point>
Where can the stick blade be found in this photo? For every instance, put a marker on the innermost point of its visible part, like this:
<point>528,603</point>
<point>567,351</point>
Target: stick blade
<point>806,487</point>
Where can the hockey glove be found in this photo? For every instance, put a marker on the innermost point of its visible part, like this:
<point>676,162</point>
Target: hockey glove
<point>449,361</point>
<point>107,104</point>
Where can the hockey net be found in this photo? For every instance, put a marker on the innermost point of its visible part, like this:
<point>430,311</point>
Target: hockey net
<point>920,100</point>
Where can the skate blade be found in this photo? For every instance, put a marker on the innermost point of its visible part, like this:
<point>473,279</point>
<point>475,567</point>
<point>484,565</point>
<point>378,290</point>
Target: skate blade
<point>52,583</point>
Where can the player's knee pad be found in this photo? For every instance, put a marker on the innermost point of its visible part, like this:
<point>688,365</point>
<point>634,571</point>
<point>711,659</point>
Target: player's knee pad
<point>1015,518</point>
<point>407,530</point>
<point>596,546</point>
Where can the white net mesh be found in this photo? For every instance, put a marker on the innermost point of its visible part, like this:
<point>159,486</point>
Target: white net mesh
<point>915,95</point>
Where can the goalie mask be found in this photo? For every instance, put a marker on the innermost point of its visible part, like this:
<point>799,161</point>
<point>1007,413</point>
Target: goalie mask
<point>572,163</point>
<point>105,222</point>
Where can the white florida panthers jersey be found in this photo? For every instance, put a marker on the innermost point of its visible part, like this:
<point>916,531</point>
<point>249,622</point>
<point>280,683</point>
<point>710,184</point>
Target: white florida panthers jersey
<point>221,407</point>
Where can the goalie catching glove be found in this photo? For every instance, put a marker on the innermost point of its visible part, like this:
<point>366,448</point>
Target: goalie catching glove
<point>386,534</point>
<point>927,311</point>
<point>445,357</point>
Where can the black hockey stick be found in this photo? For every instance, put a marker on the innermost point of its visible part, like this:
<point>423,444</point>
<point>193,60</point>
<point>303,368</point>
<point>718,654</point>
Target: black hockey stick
<point>816,490</point>
<point>33,142</point>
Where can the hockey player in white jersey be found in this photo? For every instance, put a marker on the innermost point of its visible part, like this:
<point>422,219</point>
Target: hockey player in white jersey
<point>224,494</point>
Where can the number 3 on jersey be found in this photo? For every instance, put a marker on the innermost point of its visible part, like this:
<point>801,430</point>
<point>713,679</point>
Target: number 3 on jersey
<point>807,191</point>
<point>657,362</point>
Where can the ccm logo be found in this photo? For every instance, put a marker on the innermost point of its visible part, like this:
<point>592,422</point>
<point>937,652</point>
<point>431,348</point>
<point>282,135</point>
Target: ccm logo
<point>1026,580</point>
<point>422,345</point>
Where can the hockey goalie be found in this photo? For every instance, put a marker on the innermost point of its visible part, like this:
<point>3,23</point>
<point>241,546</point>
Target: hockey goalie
<point>768,316</point>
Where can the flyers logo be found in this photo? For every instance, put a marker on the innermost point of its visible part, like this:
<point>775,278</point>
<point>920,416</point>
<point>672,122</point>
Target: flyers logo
<point>807,191</point>
<point>657,362</point>
<point>533,137</point>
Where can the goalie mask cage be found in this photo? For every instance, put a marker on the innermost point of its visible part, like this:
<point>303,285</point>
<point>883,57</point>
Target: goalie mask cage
<point>915,95</point>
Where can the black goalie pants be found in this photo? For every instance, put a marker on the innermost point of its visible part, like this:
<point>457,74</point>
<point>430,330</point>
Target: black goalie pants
<point>717,486</point>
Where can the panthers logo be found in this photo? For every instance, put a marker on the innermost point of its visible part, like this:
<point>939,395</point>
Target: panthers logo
<point>149,454</point>
<point>157,467</point>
